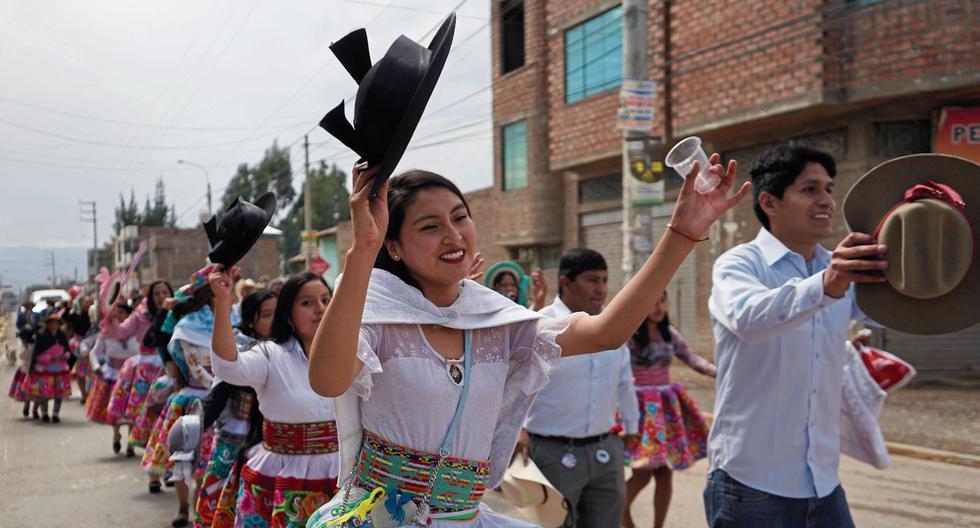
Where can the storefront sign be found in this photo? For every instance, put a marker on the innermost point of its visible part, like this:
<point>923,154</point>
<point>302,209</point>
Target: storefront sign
<point>958,133</point>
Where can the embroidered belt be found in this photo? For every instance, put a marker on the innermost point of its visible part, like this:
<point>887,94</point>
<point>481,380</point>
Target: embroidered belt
<point>458,486</point>
<point>315,438</point>
<point>241,404</point>
<point>646,376</point>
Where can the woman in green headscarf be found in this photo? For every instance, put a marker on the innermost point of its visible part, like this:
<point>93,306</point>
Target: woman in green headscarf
<point>508,279</point>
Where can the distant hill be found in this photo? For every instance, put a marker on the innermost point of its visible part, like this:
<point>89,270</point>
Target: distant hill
<point>21,266</point>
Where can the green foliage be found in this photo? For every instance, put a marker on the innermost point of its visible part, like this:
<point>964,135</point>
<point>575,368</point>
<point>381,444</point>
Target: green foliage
<point>329,199</point>
<point>157,213</point>
<point>273,173</point>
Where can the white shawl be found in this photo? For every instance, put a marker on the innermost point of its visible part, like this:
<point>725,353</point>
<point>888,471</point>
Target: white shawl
<point>391,301</point>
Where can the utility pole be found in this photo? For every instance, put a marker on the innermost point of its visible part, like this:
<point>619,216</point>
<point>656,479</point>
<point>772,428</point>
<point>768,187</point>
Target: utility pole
<point>53,275</point>
<point>634,68</point>
<point>87,210</point>
<point>307,203</point>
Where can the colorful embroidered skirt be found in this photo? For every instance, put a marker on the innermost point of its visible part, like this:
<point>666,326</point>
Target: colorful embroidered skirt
<point>149,410</point>
<point>156,456</point>
<point>279,501</point>
<point>228,443</point>
<point>46,385</point>
<point>458,487</point>
<point>97,404</point>
<point>674,433</point>
<point>132,386</point>
<point>224,511</point>
<point>15,391</point>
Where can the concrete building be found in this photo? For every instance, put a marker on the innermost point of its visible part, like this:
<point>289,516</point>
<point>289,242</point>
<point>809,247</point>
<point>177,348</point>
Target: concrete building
<point>866,80</point>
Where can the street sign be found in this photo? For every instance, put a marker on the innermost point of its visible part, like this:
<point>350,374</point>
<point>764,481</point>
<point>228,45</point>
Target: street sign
<point>637,101</point>
<point>647,170</point>
<point>319,266</point>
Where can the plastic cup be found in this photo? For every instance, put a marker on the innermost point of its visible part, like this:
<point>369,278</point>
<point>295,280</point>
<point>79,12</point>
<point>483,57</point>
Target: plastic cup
<point>682,157</point>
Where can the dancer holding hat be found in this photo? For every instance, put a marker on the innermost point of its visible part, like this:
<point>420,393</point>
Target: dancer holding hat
<point>780,307</point>
<point>406,337</point>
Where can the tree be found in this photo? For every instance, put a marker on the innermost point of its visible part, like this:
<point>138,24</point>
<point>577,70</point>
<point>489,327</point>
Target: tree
<point>157,213</point>
<point>329,199</point>
<point>273,173</point>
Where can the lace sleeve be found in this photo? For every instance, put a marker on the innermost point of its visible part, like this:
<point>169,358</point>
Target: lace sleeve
<point>534,347</point>
<point>367,346</point>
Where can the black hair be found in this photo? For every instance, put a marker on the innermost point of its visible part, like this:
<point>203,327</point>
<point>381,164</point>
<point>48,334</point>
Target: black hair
<point>198,300</point>
<point>642,335</point>
<point>282,327</point>
<point>580,260</point>
<point>777,168</point>
<point>402,190</point>
<point>125,307</point>
<point>499,277</point>
<point>150,306</point>
<point>251,305</point>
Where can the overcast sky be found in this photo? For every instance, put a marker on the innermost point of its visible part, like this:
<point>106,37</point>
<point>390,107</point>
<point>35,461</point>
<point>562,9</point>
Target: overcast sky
<point>98,97</point>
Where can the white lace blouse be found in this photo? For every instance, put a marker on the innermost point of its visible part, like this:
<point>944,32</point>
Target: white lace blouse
<point>408,397</point>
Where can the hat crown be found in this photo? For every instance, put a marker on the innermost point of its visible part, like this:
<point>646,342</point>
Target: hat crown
<point>930,244</point>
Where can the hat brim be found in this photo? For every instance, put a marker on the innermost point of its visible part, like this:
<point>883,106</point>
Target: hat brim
<point>550,512</point>
<point>219,255</point>
<point>870,199</point>
<point>440,45</point>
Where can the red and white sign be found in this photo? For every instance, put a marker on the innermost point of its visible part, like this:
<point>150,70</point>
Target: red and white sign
<point>958,133</point>
<point>319,266</point>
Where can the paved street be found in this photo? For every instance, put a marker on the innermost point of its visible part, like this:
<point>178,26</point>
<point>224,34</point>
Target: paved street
<point>66,475</point>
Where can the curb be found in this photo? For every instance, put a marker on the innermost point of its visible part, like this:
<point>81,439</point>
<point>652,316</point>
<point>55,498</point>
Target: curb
<point>911,451</point>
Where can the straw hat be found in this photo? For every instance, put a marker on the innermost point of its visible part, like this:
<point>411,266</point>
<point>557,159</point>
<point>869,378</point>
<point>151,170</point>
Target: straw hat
<point>531,493</point>
<point>925,208</point>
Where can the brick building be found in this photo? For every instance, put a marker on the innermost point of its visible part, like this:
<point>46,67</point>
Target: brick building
<point>174,254</point>
<point>866,80</point>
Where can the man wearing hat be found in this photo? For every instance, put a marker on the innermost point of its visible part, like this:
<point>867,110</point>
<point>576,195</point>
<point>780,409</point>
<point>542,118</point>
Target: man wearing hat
<point>780,307</point>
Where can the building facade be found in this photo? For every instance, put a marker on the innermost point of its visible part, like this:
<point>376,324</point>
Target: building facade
<point>866,80</point>
<point>174,254</point>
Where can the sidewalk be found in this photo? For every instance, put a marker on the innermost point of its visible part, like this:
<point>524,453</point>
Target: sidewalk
<point>929,416</point>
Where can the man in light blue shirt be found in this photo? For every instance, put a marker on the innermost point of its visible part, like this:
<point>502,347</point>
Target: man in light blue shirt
<point>780,307</point>
<point>569,422</point>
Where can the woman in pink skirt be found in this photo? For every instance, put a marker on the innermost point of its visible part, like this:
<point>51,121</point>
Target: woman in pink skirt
<point>139,371</point>
<point>48,376</point>
<point>116,351</point>
<point>673,433</point>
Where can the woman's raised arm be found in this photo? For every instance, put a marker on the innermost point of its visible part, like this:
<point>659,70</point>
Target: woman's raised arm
<point>333,356</point>
<point>693,215</point>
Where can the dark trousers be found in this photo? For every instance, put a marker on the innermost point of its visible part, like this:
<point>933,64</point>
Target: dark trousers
<point>595,491</point>
<point>730,504</point>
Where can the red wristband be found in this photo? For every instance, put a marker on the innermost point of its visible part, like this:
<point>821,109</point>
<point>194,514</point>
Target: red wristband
<point>685,235</point>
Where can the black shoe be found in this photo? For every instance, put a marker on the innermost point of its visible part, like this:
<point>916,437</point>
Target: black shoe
<point>183,517</point>
<point>35,415</point>
<point>116,446</point>
<point>154,487</point>
<point>45,419</point>
<point>27,412</point>
<point>55,419</point>
<point>169,484</point>
<point>129,452</point>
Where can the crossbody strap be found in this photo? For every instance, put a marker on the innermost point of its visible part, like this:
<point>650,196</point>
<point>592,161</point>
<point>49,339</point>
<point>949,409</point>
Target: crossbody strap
<point>454,425</point>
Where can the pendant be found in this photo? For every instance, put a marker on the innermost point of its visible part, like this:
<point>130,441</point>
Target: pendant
<point>568,460</point>
<point>455,374</point>
<point>602,456</point>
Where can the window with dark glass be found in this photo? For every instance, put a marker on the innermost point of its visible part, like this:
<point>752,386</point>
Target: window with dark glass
<point>594,55</point>
<point>512,33</point>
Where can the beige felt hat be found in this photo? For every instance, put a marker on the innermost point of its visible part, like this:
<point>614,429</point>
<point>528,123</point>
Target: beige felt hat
<point>531,493</point>
<point>925,208</point>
